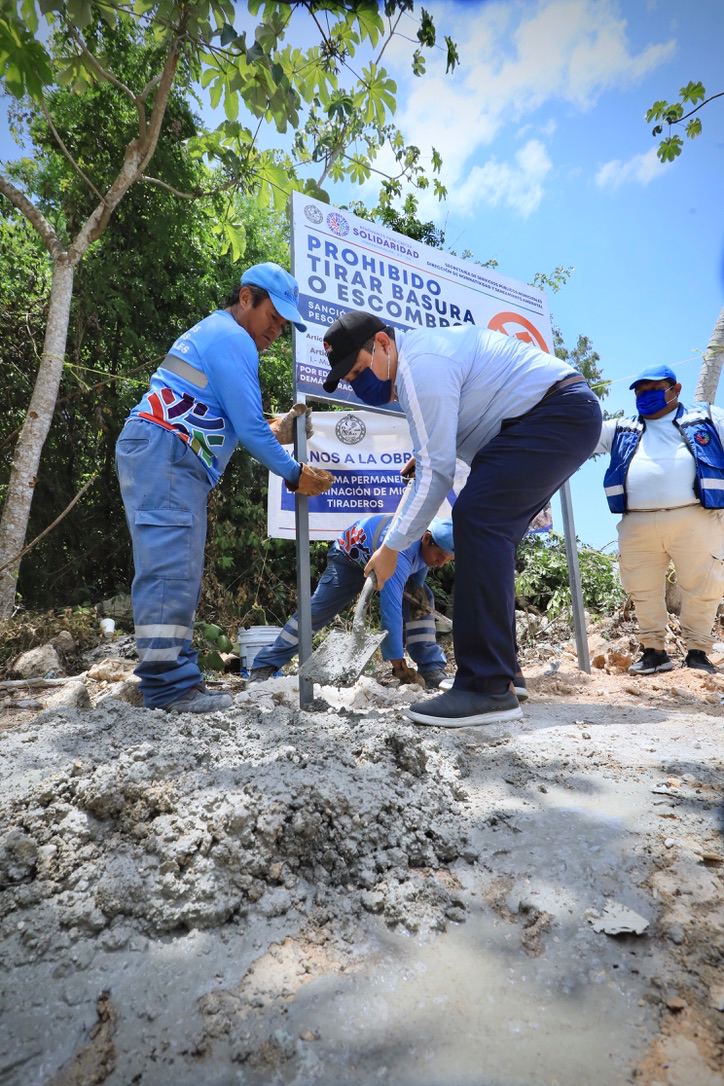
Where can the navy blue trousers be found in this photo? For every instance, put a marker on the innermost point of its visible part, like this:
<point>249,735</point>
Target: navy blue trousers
<point>511,479</point>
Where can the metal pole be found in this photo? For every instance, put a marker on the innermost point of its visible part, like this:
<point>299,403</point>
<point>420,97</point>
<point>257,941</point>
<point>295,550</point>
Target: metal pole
<point>304,576</point>
<point>574,579</point>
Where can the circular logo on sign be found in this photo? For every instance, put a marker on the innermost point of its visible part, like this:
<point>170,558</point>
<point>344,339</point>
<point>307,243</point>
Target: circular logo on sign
<point>508,322</point>
<point>337,224</point>
<point>350,430</point>
<point>313,214</point>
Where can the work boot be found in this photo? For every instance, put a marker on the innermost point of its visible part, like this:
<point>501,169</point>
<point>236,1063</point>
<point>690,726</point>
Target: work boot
<point>651,661</point>
<point>261,674</point>
<point>200,700</point>
<point>463,708</point>
<point>698,659</point>
<point>434,678</point>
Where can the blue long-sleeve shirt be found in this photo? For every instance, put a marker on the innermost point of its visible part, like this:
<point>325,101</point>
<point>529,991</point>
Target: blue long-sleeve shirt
<point>358,542</point>
<point>224,406</point>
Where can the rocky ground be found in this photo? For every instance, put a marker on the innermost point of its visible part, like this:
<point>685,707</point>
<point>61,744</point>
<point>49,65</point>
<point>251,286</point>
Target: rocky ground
<point>334,895</point>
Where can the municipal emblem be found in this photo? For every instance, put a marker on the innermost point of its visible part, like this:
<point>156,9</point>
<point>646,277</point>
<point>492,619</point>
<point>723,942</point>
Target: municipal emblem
<point>337,224</point>
<point>313,214</point>
<point>350,430</point>
<point>701,437</point>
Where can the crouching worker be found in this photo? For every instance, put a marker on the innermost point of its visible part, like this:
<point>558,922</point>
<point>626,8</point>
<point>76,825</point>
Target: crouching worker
<point>343,579</point>
<point>203,400</point>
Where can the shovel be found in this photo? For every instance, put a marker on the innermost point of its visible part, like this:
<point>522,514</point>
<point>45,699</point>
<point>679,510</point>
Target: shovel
<point>341,658</point>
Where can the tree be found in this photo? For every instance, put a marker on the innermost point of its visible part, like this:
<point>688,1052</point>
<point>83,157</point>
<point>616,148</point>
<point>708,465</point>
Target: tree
<point>676,113</point>
<point>346,123</point>
<point>711,364</point>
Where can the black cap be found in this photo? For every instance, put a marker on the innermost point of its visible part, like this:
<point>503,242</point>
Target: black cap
<point>343,340</point>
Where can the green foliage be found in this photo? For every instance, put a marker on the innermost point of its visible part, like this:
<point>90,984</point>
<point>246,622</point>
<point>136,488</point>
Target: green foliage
<point>584,359</point>
<point>542,578</point>
<point>672,113</point>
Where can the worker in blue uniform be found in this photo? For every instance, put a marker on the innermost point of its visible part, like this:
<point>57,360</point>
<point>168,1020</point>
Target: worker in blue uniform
<point>204,399</point>
<point>406,627</point>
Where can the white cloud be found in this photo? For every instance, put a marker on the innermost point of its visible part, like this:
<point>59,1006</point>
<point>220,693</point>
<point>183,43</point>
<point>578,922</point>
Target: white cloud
<point>640,169</point>
<point>518,186</point>
<point>516,59</point>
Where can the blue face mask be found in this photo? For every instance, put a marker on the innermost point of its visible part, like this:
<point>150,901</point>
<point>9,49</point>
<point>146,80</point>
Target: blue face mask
<point>651,402</point>
<point>371,390</point>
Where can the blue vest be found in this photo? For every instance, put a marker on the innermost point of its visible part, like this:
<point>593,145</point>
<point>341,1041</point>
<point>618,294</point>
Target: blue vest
<point>701,439</point>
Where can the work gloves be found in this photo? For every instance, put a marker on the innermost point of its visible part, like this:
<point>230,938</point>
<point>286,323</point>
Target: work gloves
<point>406,674</point>
<point>282,426</point>
<point>312,481</point>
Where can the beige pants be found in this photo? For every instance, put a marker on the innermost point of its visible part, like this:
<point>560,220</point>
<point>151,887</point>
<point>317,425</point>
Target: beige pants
<point>693,538</point>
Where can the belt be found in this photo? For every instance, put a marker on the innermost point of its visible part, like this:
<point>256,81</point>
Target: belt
<point>574,379</point>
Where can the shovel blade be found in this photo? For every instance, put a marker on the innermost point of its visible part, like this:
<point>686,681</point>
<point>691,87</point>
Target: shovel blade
<point>341,658</point>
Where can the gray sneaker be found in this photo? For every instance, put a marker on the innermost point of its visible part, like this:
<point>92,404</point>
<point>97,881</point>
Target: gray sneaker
<point>463,708</point>
<point>200,700</point>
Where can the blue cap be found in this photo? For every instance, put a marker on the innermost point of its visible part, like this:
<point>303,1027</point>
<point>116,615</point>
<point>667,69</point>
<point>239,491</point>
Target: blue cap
<point>655,373</point>
<point>281,287</point>
<point>441,530</point>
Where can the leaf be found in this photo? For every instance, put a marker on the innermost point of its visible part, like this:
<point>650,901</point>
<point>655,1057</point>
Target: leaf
<point>369,22</point>
<point>228,34</point>
<point>452,55</point>
<point>231,105</point>
<point>418,63</point>
<point>693,128</point>
<point>669,149</point>
<point>426,30</point>
<point>657,111</point>
<point>693,92</point>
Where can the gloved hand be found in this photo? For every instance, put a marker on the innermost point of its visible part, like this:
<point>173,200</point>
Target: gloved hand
<point>406,674</point>
<point>282,426</point>
<point>312,481</point>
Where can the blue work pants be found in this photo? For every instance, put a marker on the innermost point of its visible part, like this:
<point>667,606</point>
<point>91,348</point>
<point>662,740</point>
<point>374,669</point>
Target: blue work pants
<point>338,586</point>
<point>165,491</point>
<point>511,479</point>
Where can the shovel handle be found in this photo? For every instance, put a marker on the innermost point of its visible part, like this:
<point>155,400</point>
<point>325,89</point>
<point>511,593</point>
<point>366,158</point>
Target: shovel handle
<point>364,598</point>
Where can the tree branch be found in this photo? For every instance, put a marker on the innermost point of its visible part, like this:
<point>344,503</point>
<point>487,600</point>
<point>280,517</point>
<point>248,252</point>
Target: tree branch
<point>32,543</point>
<point>34,217</point>
<point>67,153</point>
<point>701,105</point>
<point>109,77</point>
<point>138,154</point>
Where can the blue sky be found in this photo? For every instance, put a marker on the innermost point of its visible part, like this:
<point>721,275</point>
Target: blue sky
<point>548,161</point>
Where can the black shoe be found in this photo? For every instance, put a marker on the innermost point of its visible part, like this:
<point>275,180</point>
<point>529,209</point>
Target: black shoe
<point>651,660</point>
<point>519,688</point>
<point>462,708</point>
<point>261,674</point>
<point>434,678</point>
<point>698,659</point>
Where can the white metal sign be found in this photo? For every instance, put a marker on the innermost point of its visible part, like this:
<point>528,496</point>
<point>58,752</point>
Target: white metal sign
<point>342,262</point>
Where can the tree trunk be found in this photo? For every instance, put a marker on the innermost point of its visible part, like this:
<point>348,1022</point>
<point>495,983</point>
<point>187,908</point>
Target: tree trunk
<point>23,475</point>
<point>711,365</point>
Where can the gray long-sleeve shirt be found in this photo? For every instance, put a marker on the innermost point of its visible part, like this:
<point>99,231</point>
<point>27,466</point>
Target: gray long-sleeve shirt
<point>456,385</point>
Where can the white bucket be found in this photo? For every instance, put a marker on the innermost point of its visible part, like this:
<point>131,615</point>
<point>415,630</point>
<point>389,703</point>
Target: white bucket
<point>253,640</point>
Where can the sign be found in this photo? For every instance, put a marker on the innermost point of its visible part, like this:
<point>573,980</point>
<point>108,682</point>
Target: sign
<point>365,452</point>
<point>342,263</point>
